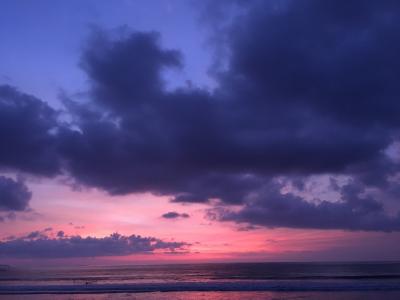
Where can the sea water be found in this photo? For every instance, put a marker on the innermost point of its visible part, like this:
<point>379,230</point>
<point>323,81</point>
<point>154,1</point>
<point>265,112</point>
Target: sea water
<point>373,280</point>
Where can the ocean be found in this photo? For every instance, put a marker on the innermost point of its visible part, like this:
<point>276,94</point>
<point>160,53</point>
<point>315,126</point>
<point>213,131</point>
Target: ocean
<point>206,281</point>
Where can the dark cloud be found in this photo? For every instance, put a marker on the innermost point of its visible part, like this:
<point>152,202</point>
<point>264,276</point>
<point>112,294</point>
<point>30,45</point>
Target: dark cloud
<point>27,133</point>
<point>264,119</point>
<point>309,88</point>
<point>175,215</point>
<point>126,72</point>
<point>337,58</point>
<point>272,208</point>
<point>37,245</point>
<point>14,195</point>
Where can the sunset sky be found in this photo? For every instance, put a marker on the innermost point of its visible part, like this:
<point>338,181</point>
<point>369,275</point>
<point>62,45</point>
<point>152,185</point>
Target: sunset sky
<point>199,131</point>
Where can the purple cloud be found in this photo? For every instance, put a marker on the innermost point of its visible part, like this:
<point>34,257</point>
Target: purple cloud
<point>38,245</point>
<point>175,215</point>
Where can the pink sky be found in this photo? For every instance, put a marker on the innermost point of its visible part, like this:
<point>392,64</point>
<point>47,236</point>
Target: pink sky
<point>90,212</point>
<point>274,131</point>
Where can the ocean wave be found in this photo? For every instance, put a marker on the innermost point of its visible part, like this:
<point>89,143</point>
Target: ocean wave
<point>275,285</point>
<point>198,277</point>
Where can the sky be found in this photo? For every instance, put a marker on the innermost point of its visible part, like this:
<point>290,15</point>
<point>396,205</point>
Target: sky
<point>166,131</point>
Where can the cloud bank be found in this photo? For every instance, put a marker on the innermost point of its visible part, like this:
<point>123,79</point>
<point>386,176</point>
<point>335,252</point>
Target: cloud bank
<point>38,245</point>
<point>272,208</point>
<point>310,89</point>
